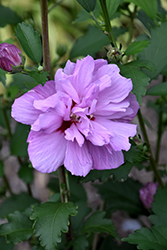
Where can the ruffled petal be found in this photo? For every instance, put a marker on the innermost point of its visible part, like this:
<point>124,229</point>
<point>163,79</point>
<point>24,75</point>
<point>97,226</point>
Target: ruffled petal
<point>23,110</point>
<point>73,133</point>
<point>78,160</point>
<point>48,121</point>
<point>121,133</point>
<point>103,159</point>
<point>46,151</point>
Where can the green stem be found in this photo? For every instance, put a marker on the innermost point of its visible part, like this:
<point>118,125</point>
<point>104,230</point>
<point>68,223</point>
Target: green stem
<point>45,36</point>
<point>107,23</point>
<point>153,163</point>
<point>63,185</point>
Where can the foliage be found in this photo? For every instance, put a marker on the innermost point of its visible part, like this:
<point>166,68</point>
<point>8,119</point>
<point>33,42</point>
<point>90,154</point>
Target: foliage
<point>79,212</point>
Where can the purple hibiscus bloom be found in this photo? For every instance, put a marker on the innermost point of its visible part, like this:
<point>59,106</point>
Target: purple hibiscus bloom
<point>147,193</point>
<point>81,119</point>
<point>9,55</point>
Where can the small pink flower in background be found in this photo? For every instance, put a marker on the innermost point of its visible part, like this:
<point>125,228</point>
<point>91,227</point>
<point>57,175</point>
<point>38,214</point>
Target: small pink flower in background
<point>147,192</point>
<point>9,55</point>
<point>81,119</point>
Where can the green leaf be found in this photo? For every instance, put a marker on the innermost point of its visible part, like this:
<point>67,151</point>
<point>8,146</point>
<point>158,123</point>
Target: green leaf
<point>96,223</point>
<point>16,203</point>
<point>136,47</point>
<point>156,51</point>
<point>89,44</point>
<point>122,172</point>
<point>1,169</point>
<point>139,79</point>
<point>77,221</point>
<point>146,239</point>
<point>110,243</point>
<point>4,245</point>
<point>26,173</point>
<point>93,175</point>
<point>134,154</point>
<point>51,219</point>
<point>112,6</point>
<point>159,208</point>
<point>150,6</point>
<point>88,5</point>
<point>18,229</point>
<point>79,243</point>
<point>19,140</point>
<point>39,77</point>
<point>77,192</point>
<point>30,41</point>
<point>8,16</point>
<point>113,193</point>
<point>3,77</point>
<point>160,89</point>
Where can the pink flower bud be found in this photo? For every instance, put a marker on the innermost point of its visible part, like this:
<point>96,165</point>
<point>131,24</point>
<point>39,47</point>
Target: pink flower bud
<point>147,192</point>
<point>9,56</point>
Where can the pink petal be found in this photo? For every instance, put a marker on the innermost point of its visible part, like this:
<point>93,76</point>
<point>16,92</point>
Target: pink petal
<point>77,160</point>
<point>46,151</point>
<point>121,133</point>
<point>48,121</point>
<point>23,110</point>
<point>73,133</point>
<point>103,159</point>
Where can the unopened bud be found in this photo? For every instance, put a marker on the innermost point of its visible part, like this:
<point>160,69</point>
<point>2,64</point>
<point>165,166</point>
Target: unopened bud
<point>114,55</point>
<point>11,58</point>
<point>147,193</point>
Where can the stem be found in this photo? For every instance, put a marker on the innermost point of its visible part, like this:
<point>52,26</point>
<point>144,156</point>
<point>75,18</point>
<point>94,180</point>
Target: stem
<point>63,184</point>
<point>160,131</point>
<point>45,36</point>
<point>153,163</point>
<point>7,122</point>
<point>107,22</point>
<point>54,5</point>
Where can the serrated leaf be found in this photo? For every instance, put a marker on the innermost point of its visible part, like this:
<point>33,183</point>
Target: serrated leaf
<point>146,239</point>
<point>77,192</point>
<point>156,51</point>
<point>122,172</point>
<point>113,193</point>
<point>16,203</point>
<point>51,219</point>
<point>112,6</point>
<point>4,245</point>
<point>96,223</point>
<point>150,7</point>
<point>8,16</point>
<point>30,41</point>
<point>93,175</point>
<point>136,47</point>
<point>139,79</point>
<point>18,144</point>
<point>160,89</point>
<point>39,77</point>
<point>159,208</point>
<point>88,5</point>
<point>19,228</point>
<point>134,154</point>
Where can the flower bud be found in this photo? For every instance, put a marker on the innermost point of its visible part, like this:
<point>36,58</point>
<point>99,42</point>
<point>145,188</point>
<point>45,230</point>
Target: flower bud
<point>147,192</point>
<point>11,58</point>
<point>114,55</point>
